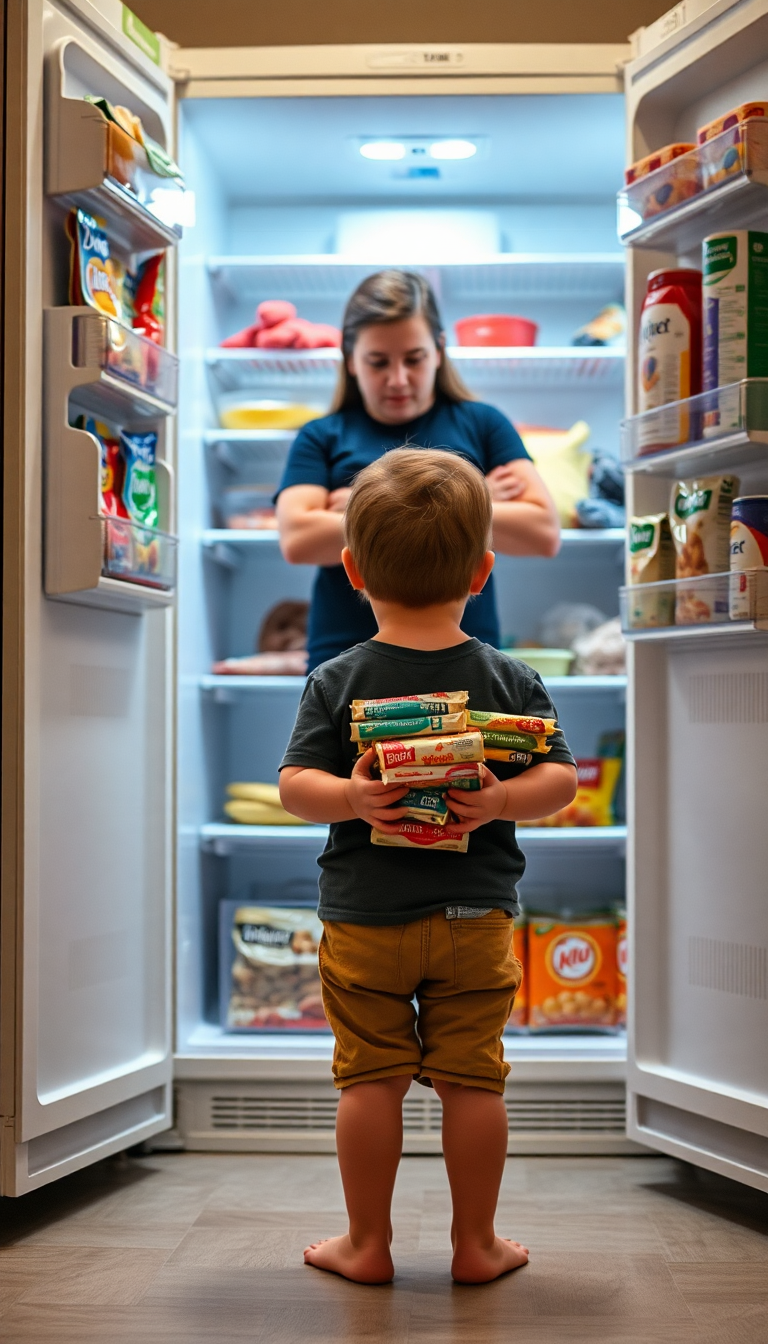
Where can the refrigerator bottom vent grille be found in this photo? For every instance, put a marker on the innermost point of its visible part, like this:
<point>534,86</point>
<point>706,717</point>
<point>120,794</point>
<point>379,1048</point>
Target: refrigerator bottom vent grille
<point>240,1114</point>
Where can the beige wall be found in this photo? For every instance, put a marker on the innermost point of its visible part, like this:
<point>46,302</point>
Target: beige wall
<point>238,23</point>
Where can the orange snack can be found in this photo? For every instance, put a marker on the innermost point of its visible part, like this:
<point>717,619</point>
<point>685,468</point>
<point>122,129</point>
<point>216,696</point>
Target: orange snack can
<point>622,949</point>
<point>572,972</point>
<point>518,1018</point>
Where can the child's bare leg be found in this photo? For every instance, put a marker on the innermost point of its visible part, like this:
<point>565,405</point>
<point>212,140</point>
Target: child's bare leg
<point>369,1141</point>
<point>475,1150</point>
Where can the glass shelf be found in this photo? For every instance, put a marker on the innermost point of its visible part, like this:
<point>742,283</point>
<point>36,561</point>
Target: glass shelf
<point>721,184</point>
<point>227,688</point>
<point>698,431</point>
<point>119,352</point>
<point>730,601</point>
<point>137,554</point>
<point>598,276</point>
<point>518,366</point>
<point>224,838</point>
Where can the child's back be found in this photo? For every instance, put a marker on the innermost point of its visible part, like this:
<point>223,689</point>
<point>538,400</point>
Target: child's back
<point>368,885</point>
<point>405,924</point>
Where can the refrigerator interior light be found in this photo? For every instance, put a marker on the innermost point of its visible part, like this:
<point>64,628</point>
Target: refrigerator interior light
<point>388,150</point>
<point>453,149</point>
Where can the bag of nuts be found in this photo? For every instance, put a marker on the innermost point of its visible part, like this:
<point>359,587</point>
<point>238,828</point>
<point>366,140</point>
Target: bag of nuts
<point>572,972</point>
<point>273,981</point>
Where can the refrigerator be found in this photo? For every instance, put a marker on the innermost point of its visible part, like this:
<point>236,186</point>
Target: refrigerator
<point>118,737</point>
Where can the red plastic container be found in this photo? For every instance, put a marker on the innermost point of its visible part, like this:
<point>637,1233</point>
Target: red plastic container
<point>495,329</point>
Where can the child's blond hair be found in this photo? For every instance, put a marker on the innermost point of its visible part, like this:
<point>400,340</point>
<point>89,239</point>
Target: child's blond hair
<point>418,523</point>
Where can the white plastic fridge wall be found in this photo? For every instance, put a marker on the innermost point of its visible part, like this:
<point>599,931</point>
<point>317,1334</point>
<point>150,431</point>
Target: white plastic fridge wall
<point>222,604</point>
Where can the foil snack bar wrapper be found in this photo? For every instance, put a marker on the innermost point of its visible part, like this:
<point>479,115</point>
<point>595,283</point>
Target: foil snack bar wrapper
<point>425,805</point>
<point>441,777</point>
<point>509,757</point>
<point>420,835</point>
<point>458,749</point>
<point>410,706</point>
<point>425,726</point>
<point>517,741</point>
<point>489,721</point>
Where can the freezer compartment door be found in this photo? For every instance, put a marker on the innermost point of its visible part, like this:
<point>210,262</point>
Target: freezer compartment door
<point>85,1015</point>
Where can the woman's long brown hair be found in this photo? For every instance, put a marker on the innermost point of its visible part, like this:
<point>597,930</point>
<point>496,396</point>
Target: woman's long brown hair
<point>393,296</point>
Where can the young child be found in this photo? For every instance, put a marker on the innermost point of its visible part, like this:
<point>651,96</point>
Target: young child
<point>405,923</point>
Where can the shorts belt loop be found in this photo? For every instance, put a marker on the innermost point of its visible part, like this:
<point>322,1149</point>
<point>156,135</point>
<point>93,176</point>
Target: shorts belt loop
<point>425,933</point>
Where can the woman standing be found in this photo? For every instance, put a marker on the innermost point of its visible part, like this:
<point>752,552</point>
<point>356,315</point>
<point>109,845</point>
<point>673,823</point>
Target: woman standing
<point>397,386</point>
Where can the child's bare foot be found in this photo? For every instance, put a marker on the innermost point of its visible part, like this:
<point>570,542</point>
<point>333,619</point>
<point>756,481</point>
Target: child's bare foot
<point>481,1264</point>
<point>373,1264</point>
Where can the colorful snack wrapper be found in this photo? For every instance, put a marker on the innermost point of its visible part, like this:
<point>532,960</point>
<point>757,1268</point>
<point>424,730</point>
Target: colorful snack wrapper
<point>112,467</point>
<point>149,299</point>
<point>440,777</point>
<point>140,486</point>
<point>95,278</point>
<point>489,721</point>
<point>159,161</point>
<point>572,972</point>
<point>518,1018</point>
<point>420,835</point>
<point>410,706</point>
<point>622,958</point>
<point>430,751</point>
<point>272,981</point>
<point>517,741</point>
<point>595,796</point>
<point>425,805</point>
<point>426,726</point>
<point>509,757</point>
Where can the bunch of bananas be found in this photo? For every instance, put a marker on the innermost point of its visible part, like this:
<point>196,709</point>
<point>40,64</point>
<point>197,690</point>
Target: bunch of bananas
<point>258,805</point>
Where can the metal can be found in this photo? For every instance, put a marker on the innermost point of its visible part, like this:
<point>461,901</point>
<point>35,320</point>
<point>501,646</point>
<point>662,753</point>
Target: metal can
<point>749,558</point>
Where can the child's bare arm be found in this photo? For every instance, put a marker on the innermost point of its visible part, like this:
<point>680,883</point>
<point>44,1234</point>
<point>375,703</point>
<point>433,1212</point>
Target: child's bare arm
<point>323,798</point>
<point>539,791</point>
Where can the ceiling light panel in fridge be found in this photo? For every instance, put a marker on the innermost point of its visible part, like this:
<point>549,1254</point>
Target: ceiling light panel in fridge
<point>453,149</point>
<point>386,151</point>
<point>415,155</point>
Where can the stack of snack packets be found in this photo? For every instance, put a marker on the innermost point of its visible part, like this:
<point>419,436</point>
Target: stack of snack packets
<point>512,738</point>
<point>421,741</point>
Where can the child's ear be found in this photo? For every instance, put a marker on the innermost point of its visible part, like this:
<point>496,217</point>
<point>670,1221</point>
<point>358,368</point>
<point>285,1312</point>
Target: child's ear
<point>353,573</point>
<point>482,573</point>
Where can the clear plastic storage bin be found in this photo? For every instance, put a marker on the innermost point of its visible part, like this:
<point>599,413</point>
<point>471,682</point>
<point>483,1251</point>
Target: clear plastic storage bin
<point>737,409</point>
<point>100,342</point>
<point>739,156</point>
<point>138,554</point>
<point>705,599</point>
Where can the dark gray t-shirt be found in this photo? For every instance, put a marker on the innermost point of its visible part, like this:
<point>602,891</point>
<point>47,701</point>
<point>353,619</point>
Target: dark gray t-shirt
<point>363,883</point>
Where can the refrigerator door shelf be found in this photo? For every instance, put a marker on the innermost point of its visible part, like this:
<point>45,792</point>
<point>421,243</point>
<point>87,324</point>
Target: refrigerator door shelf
<point>74,542</point>
<point>143,371</point>
<point>513,367</point>
<point>138,555</point>
<point>728,424</point>
<point>722,184</point>
<point>92,164</point>
<point>721,604</point>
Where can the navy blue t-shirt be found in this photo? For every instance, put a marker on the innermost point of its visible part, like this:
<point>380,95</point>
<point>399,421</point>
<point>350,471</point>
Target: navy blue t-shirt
<point>331,451</point>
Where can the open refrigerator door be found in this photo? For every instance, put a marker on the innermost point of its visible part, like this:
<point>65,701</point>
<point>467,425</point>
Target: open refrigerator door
<point>698,685</point>
<point>94,207</point>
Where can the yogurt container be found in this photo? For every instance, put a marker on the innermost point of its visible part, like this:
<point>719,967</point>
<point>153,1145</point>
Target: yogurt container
<point>748,596</point>
<point>669,356</point>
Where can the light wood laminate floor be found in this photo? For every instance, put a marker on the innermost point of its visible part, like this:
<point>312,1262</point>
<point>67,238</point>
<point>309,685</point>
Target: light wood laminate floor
<point>193,1248</point>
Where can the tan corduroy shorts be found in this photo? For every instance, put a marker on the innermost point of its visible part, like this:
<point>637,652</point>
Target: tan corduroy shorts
<point>462,973</point>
